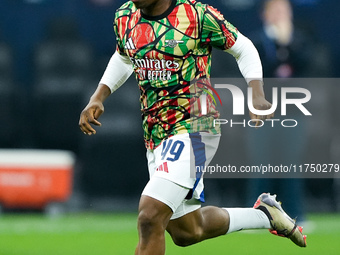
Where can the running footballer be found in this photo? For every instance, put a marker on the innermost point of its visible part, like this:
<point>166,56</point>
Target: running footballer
<point>167,44</point>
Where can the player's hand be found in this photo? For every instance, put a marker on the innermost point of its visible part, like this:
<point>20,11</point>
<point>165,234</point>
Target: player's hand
<point>260,103</point>
<point>89,116</point>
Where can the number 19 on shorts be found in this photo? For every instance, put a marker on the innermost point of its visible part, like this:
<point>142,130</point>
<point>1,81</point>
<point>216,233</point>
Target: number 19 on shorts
<point>172,150</point>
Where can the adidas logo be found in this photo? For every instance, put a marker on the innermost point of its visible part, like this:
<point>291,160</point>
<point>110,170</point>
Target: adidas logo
<point>130,45</point>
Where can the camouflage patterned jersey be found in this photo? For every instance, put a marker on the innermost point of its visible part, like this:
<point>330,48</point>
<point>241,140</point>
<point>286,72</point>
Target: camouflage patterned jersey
<point>171,55</point>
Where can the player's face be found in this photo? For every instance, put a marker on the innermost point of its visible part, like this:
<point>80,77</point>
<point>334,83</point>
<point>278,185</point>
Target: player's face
<point>152,7</point>
<point>141,4</point>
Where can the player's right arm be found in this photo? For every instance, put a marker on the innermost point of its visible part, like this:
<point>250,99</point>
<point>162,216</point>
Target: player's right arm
<point>93,110</point>
<point>117,72</point>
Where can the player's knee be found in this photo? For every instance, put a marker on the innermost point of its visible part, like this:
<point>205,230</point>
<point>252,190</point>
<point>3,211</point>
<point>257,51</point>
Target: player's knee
<point>145,222</point>
<point>184,239</point>
<point>148,223</point>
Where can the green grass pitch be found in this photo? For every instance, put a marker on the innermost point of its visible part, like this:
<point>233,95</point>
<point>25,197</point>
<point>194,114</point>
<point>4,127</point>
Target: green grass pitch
<point>103,234</point>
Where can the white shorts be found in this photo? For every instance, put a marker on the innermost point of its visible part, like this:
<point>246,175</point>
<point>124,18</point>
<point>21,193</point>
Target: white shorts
<point>172,168</point>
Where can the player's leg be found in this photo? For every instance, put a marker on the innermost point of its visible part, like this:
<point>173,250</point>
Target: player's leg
<point>160,198</point>
<point>170,182</point>
<point>194,227</point>
<point>210,221</point>
<point>152,220</point>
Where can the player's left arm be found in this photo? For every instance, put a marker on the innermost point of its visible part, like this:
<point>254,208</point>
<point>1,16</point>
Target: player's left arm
<point>219,33</point>
<point>249,63</point>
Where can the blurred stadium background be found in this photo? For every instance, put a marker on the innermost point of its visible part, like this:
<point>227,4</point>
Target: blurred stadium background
<point>52,55</point>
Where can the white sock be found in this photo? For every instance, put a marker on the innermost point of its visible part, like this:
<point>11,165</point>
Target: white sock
<point>247,218</point>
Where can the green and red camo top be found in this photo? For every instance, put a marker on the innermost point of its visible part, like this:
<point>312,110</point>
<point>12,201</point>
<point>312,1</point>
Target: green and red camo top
<point>171,56</point>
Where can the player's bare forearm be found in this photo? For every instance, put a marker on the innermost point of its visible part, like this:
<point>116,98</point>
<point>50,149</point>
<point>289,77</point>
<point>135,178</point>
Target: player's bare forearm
<point>93,110</point>
<point>102,92</point>
<point>257,87</point>
<point>259,100</point>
